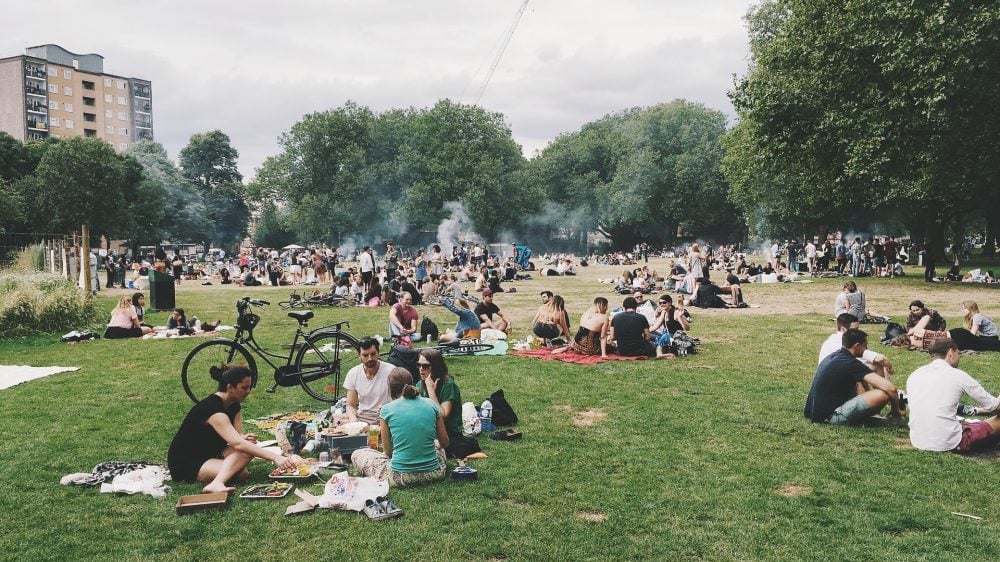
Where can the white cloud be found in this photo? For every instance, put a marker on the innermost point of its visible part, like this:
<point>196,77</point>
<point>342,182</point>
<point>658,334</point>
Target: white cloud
<point>253,68</point>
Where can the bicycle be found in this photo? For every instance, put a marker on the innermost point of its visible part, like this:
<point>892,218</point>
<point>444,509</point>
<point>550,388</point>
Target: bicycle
<point>315,361</point>
<point>296,300</point>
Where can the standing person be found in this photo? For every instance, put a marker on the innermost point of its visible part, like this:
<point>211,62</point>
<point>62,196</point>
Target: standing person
<point>420,264</point>
<point>366,264</point>
<point>403,318</point>
<point>980,332</point>
<point>437,260</point>
<point>878,257</point>
<point>630,332</point>
<point>178,268</point>
<point>856,257</point>
<point>697,262</point>
<point>413,438</point>
<point>367,384</point>
<point>392,257</point>
<point>210,445</point>
<point>592,336</point>
<point>775,256</point>
<point>891,249</point>
<point>934,392</point>
<point>840,251</point>
<point>811,256</point>
<point>109,270</point>
<point>844,390</point>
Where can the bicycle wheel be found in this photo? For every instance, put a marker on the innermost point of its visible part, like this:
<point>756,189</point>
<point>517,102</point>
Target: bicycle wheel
<point>285,305</point>
<point>204,365</point>
<point>323,362</point>
<point>465,348</point>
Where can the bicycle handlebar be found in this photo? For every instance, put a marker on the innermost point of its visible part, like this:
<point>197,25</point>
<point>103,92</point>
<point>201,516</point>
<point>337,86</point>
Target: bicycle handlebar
<point>254,302</point>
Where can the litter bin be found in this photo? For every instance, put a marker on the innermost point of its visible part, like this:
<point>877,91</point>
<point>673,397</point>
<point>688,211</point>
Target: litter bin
<point>161,291</point>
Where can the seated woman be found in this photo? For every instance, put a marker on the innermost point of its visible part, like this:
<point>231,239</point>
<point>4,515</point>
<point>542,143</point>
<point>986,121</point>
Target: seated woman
<point>592,336</point>
<point>224,274</point>
<point>413,438</point>
<point>442,389</point>
<point>493,283</point>
<point>669,318</point>
<point>139,306</point>
<point>210,445</point>
<point>924,325</point>
<point>178,321</point>
<point>549,321</point>
<point>980,332</point>
<point>124,322</point>
<point>374,295</point>
<point>467,320</point>
<point>850,300</point>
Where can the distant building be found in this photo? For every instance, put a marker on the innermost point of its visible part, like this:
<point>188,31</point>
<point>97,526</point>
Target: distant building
<point>50,91</point>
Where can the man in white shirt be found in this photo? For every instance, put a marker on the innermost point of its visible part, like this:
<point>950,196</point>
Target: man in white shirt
<point>811,256</point>
<point>366,263</point>
<point>645,307</point>
<point>878,363</point>
<point>934,392</point>
<point>367,384</point>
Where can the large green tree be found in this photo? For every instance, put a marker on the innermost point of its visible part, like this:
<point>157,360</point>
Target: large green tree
<point>184,217</point>
<point>866,106</point>
<point>209,160</point>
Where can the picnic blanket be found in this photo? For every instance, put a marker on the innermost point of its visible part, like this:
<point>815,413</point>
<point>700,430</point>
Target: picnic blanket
<point>163,333</point>
<point>11,375</point>
<point>571,356</point>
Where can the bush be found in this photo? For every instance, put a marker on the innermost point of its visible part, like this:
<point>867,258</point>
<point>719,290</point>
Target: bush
<point>42,303</point>
<point>31,258</point>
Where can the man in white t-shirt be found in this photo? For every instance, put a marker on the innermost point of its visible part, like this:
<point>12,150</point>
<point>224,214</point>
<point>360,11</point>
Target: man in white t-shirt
<point>367,384</point>
<point>645,307</point>
<point>366,263</point>
<point>811,256</point>
<point>934,392</point>
<point>879,364</point>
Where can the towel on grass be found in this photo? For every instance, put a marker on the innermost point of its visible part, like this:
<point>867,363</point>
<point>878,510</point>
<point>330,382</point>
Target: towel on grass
<point>11,375</point>
<point>571,356</point>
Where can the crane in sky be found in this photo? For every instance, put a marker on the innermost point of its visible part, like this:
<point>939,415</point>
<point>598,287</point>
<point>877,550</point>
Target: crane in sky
<point>503,47</point>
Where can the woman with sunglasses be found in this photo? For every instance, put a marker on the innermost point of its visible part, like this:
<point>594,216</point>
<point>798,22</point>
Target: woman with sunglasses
<point>442,389</point>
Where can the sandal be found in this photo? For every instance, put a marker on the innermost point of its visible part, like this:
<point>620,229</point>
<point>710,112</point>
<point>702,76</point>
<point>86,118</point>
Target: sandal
<point>506,435</point>
<point>388,507</point>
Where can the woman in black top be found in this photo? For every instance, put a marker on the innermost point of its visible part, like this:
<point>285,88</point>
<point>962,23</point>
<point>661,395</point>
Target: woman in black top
<point>210,445</point>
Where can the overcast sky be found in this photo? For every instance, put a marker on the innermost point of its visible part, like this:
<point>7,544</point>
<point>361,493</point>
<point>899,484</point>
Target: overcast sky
<point>252,68</point>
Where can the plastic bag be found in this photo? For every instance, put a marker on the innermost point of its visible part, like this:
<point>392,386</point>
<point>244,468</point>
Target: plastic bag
<point>471,424</point>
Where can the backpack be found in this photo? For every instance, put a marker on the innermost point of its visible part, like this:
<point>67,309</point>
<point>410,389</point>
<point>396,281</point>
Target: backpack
<point>503,414</point>
<point>405,357</point>
<point>429,330</point>
<point>892,331</point>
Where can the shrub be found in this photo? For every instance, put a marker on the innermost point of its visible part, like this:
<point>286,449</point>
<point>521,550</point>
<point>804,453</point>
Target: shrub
<point>31,258</point>
<point>41,303</point>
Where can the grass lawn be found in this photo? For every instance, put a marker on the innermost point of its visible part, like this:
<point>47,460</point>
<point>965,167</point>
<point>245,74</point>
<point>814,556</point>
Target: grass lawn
<point>706,457</point>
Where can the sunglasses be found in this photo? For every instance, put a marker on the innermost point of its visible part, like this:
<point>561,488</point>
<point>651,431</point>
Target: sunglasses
<point>423,366</point>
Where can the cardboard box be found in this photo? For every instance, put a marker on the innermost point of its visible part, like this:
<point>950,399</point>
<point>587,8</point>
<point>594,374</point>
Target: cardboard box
<point>200,502</point>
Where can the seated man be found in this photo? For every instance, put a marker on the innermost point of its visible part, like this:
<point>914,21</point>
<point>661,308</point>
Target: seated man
<point>403,317</point>
<point>876,362</point>
<point>644,307</point>
<point>838,394</point>
<point>934,392</point>
<point>489,314</point>
<point>367,384</point>
<point>630,332</point>
<point>706,295</point>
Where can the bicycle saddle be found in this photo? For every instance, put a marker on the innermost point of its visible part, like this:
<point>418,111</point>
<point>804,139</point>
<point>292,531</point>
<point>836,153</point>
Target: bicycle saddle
<point>301,315</point>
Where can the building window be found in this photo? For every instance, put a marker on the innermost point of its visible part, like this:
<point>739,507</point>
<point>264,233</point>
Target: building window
<point>67,91</point>
<point>109,114</point>
<point>55,121</point>
<point>53,72</point>
<point>68,107</point>
<point>122,100</point>
<point>108,98</point>
<point>89,133</point>
<point>89,117</point>
<point>122,130</point>
<point>53,105</point>
<point>123,116</point>
<point>121,84</point>
<point>68,124</point>
<point>68,74</point>
<point>110,129</point>
<point>107,82</point>
<point>53,89</point>
<point>88,85</point>
<point>123,146</point>
<point>89,101</point>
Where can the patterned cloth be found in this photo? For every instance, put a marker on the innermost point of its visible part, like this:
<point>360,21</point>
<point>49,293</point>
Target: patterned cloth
<point>375,464</point>
<point>106,471</point>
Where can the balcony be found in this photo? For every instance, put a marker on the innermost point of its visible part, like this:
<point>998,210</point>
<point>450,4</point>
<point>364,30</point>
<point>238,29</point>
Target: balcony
<point>37,124</point>
<point>144,134</point>
<point>87,85</point>
<point>37,136</point>
<point>34,107</point>
<point>140,91</point>
<point>32,71</point>
<point>89,101</point>
<point>89,133</point>
<point>143,106</point>
<point>34,91</point>
<point>90,117</point>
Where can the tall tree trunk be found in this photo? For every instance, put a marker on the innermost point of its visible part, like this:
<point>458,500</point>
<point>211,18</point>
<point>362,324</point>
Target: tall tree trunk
<point>990,245</point>
<point>934,239</point>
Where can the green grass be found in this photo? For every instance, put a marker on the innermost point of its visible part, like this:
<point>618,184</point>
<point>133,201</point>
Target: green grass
<point>688,464</point>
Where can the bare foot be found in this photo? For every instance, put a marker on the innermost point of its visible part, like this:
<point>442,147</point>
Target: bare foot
<point>213,488</point>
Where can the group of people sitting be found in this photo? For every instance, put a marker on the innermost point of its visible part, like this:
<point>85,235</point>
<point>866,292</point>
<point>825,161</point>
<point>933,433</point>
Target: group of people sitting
<point>420,425</point>
<point>925,325</point>
<point>128,320</point>
<point>852,384</point>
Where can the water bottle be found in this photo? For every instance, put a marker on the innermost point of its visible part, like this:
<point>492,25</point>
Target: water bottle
<point>486,411</point>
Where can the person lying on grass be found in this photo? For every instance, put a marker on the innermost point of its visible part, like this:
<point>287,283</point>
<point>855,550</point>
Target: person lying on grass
<point>178,321</point>
<point>210,445</point>
<point>844,390</point>
<point>468,322</point>
<point>876,362</point>
<point>414,438</point>
<point>934,392</point>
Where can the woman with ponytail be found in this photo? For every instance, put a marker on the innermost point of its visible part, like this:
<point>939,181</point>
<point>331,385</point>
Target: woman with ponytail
<point>413,438</point>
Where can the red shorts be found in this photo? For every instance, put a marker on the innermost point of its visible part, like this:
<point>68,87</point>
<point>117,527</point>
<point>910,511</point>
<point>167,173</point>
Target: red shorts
<point>974,434</point>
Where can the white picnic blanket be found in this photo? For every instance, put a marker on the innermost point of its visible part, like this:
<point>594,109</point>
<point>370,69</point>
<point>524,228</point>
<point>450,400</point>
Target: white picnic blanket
<point>11,375</point>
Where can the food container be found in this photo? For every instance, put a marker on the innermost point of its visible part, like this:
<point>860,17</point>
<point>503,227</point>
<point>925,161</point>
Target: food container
<point>200,502</point>
<point>464,474</point>
<point>272,491</point>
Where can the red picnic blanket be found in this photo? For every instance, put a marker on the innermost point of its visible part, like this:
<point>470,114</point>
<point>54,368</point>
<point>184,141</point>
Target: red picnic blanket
<point>571,356</point>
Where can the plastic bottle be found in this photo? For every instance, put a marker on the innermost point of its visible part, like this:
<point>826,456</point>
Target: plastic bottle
<point>486,411</point>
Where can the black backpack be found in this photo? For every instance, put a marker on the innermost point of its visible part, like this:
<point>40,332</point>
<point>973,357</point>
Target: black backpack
<point>405,357</point>
<point>429,330</point>
<point>503,414</point>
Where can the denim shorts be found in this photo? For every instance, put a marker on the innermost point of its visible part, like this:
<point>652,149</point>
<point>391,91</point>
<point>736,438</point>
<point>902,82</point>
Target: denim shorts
<point>852,412</point>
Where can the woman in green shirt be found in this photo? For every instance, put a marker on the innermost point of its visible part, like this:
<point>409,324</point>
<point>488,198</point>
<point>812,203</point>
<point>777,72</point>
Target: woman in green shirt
<point>413,438</point>
<point>442,389</point>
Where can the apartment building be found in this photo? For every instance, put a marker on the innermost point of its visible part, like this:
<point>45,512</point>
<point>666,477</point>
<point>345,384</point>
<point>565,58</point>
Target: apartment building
<point>51,92</point>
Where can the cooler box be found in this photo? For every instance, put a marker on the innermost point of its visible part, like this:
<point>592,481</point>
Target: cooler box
<point>347,443</point>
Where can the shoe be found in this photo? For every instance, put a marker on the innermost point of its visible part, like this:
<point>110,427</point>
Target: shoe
<point>506,435</point>
<point>388,507</point>
<point>966,411</point>
<point>374,511</point>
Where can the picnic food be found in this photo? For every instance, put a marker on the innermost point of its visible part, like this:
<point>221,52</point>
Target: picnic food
<point>304,469</point>
<point>270,490</point>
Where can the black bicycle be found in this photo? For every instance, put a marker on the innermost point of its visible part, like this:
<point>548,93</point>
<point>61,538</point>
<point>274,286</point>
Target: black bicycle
<point>296,300</point>
<point>316,359</point>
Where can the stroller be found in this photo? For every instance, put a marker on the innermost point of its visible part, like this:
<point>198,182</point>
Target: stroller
<point>522,254</point>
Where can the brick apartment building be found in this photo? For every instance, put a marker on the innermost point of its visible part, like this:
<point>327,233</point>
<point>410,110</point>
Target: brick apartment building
<point>49,91</point>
